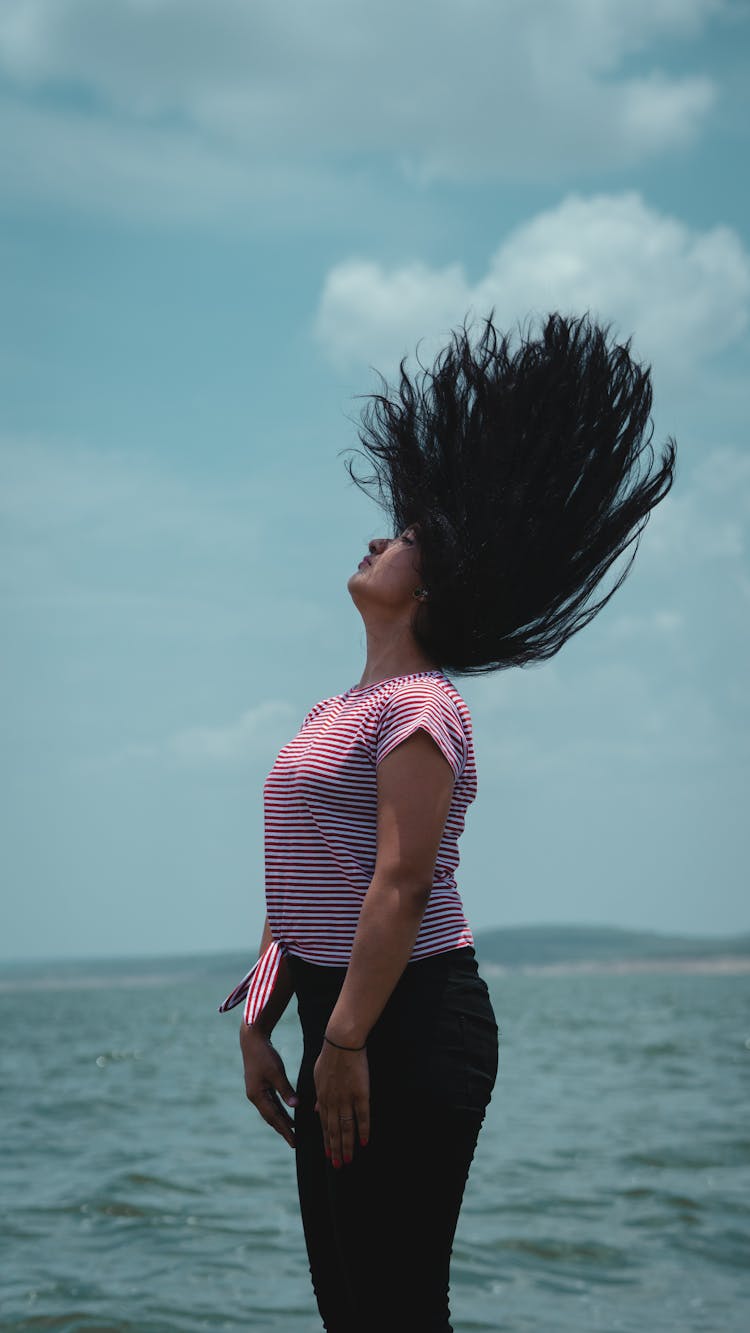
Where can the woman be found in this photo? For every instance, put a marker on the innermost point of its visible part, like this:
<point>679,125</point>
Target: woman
<point>512,484</point>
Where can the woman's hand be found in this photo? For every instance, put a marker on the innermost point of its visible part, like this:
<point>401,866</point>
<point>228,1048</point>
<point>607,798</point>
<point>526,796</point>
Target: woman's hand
<point>266,1080</point>
<point>342,1088</point>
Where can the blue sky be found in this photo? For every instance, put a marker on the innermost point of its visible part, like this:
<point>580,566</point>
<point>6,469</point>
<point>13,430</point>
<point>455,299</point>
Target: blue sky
<point>216,219</point>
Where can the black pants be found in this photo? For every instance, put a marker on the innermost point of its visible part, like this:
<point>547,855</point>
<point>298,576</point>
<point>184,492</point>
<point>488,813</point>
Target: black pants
<point>379,1231</point>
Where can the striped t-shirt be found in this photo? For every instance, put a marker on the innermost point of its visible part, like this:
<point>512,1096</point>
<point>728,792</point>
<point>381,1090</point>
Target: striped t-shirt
<point>320,810</point>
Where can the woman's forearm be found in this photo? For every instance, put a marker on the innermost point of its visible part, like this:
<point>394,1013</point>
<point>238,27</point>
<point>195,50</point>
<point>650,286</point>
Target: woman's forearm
<point>282,992</point>
<point>388,925</point>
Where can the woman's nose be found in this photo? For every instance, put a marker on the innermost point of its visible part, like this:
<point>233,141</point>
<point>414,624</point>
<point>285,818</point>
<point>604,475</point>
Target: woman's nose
<point>377,545</point>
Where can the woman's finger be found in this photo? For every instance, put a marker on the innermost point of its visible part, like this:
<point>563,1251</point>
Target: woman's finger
<point>266,1081</point>
<point>334,1136</point>
<point>275,1114</point>
<point>346,1123</point>
<point>282,1085</point>
<point>324,1131</point>
<point>362,1112</point>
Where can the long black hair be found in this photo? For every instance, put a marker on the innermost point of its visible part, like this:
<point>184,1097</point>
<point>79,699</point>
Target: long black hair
<point>521,472</point>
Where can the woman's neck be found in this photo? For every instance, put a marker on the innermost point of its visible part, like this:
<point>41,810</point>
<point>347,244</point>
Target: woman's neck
<point>386,657</point>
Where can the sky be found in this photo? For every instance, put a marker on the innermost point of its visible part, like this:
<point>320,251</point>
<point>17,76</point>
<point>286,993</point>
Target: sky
<point>218,221</point>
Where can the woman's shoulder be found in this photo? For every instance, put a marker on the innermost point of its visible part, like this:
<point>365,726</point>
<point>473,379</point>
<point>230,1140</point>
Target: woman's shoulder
<point>427,689</point>
<point>434,688</point>
<point>432,695</point>
<point>427,700</point>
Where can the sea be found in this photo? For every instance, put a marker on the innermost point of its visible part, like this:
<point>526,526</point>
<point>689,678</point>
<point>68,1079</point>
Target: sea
<point>141,1191</point>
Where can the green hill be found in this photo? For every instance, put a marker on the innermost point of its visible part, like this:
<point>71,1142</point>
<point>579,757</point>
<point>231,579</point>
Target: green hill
<point>518,946</point>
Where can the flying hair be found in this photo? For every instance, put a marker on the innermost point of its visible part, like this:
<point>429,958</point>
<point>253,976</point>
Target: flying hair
<point>523,473</point>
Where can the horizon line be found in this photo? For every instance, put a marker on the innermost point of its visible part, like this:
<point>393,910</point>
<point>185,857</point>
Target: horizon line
<point>690,936</point>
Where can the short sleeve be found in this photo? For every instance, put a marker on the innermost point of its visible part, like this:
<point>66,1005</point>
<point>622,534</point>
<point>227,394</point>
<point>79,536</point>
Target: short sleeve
<point>418,705</point>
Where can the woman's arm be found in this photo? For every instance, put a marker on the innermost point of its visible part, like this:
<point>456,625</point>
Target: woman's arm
<point>415,786</point>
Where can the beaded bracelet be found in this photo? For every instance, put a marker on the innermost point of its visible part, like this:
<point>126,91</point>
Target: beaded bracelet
<point>342,1048</point>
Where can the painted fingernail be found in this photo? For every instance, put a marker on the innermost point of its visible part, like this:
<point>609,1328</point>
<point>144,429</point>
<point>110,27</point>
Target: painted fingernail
<point>347,1159</point>
<point>336,1162</point>
<point>328,1152</point>
<point>363,1143</point>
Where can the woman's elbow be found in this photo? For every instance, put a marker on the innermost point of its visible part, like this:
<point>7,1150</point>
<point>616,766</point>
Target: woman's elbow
<point>410,884</point>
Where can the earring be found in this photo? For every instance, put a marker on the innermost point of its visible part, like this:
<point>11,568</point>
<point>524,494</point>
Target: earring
<point>421,593</point>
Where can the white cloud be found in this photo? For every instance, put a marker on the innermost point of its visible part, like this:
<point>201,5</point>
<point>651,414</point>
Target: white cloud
<point>137,546</point>
<point>76,518</point>
<point>660,678</point>
<point>664,110</point>
<point>705,521</point>
<point>245,738</point>
<point>617,715</point>
<point>253,735</point>
<point>368,314</point>
<point>661,623</point>
<point>682,294</point>
<point>181,109</point>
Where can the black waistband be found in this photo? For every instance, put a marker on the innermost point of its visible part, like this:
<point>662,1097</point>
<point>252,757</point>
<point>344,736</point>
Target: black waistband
<point>434,964</point>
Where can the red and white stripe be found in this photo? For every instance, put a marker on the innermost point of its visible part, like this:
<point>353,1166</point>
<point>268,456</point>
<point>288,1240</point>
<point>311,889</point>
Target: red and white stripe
<point>256,986</point>
<point>320,808</point>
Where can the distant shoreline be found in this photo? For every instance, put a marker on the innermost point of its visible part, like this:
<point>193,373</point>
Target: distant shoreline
<point>548,949</point>
<point>727,965</point>
<point>596,950</point>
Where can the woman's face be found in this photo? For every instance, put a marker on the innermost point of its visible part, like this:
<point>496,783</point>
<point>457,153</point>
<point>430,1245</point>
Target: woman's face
<point>389,575</point>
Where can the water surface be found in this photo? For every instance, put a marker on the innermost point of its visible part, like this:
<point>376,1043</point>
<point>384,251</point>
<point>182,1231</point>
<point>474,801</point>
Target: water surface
<point>610,1189</point>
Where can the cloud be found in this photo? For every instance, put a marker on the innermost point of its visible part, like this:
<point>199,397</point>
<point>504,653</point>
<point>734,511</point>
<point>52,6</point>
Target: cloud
<point>132,587</point>
<point>657,683</point>
<point>623,715</point>
<point>664,111</point>
<point>254,735</point>
<point>706,521</point>
<point>683,293</point>
<point>150,172</point>
<point>661,623</point>
<point>184,110</point>
<point>111,524</point>
<point>245,738</point>
<point>138,546</point>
